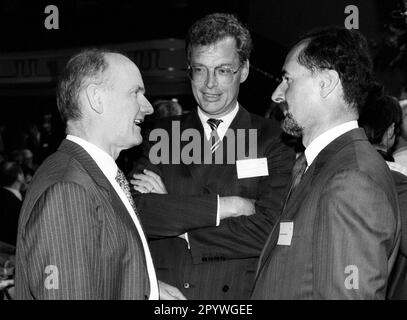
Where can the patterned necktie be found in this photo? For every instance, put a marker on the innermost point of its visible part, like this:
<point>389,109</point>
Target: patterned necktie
<point>215,140</point>
<point>298,172</point>
<point>124,184</point>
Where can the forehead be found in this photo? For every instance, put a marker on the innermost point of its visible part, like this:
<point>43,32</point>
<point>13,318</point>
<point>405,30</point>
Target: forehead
<point>223,51</point>
<point>291,64</point>
<point>123,72</point>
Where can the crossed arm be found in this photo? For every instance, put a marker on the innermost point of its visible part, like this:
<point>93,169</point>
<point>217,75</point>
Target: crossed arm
<point>246,222</point>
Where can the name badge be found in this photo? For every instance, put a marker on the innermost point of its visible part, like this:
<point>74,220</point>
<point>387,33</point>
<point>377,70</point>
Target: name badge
<point>250,168</point>
<point>286,233</point>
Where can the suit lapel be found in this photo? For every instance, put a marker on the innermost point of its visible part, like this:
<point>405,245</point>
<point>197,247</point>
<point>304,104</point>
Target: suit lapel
<point>197,171</point>
<point>100,179</point>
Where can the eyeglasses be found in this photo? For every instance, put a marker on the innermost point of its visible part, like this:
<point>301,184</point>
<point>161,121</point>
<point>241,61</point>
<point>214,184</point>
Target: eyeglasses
<point>223,74</point>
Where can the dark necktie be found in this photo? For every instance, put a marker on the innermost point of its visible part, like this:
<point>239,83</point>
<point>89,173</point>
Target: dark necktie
<point>215,140</point>
<point>298,172</point>
<point>124,184</point>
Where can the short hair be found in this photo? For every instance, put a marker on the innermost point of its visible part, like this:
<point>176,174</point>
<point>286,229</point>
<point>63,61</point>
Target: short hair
<point>86,65</point>
<point>216,27</point>
<point>346,52</point>
<point>378,114</point>
<point>9,171</point>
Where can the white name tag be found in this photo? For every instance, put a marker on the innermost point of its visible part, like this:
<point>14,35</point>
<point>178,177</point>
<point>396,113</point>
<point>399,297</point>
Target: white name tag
<point>286,233</point>
<point>250,168</point>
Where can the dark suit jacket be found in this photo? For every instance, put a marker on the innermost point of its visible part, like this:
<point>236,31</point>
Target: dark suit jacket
<point>346,229</point>
<point>398,280</point>
<point>222,260</point>
<point>10,207</point>
<point>74,221</point>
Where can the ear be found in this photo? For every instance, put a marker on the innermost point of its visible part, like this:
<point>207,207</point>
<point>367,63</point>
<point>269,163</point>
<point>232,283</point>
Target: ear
<point>390,131</point>
<point>329,80</point>
<point>94,97</point>
<point>245,71</point>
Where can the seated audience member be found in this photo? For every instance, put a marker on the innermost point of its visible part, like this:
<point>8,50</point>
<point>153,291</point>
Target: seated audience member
<point>166,108</point>
<point>28,166</point>
<point>7,267</point>
<point>381,119</point>
<point>11,181</point>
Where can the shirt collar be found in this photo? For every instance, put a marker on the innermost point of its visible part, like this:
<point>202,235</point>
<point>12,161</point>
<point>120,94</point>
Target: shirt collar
<point>320,142</point>
<point>15,192</point>
<point>104,161</point>
<point>223,126</point>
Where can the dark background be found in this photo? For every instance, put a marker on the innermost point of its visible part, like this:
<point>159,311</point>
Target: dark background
<point>274,26</point>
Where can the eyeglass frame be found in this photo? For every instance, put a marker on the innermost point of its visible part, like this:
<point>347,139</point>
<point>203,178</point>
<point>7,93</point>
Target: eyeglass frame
<point>189,70</point>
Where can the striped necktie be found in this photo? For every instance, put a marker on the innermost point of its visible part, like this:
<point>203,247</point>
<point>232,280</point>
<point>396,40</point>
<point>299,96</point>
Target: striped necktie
<point>215,140</point>
<point>124,184</point>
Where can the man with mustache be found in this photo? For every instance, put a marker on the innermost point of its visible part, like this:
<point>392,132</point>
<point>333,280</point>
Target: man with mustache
<point>339,230</point>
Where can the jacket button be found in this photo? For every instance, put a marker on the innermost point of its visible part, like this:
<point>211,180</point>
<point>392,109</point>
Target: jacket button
<point>225,288</point>
<point>186,285</point>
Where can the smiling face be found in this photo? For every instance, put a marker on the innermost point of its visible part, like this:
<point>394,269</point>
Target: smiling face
<point>125,105</point>
<point>215,96</point>
<point>297,93</point>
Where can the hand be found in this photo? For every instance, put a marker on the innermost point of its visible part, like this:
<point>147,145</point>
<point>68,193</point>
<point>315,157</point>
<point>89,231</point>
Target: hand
<point>230,207</point>
<point>148,182</point>
<point>168,292</point>
<point>6,283</point>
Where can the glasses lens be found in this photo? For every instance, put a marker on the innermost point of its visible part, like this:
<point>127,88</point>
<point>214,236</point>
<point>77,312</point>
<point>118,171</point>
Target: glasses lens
<point>222,74</point>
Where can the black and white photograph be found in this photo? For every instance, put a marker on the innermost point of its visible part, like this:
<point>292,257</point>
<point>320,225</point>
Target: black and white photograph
<point>223,152</point>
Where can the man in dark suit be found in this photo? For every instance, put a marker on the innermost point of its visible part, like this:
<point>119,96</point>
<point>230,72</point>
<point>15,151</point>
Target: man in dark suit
<point>11,181</point>
<point>207,175</point>
<point>79,233</point>
<point>339,232</point>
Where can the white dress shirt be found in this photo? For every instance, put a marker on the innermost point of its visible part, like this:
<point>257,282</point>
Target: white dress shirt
<point>15,192</point>
<point>320,142</point>
<point>109,168</point>
<point>223,126</point>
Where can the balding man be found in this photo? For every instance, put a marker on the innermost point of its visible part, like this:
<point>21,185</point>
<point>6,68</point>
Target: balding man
<point>79,233</point>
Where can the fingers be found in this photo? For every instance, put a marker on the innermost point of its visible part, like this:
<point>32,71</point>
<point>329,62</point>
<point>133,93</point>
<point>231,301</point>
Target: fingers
<point>156,178</point>
<point>6,283</point>
<point>168,292</point>
<point>142,184</point>
<point>148,182</point>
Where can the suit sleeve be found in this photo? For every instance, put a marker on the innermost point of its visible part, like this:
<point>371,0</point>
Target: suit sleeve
<point>62,244</point>
<point>169,215</point>
<point>354,237</point>
<point>244,237</point>
<point>166,215</point>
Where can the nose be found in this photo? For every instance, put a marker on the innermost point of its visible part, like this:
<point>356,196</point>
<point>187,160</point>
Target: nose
<point>211,80</point>
<point>146,107</point>
<point>278,95</point>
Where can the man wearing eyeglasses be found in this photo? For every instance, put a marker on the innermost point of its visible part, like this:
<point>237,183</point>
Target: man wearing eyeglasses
<point>216,262</point>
